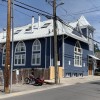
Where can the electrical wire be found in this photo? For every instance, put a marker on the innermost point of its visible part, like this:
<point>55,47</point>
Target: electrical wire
<point>40,13</point>
<point>33,7</point>
<point>19,11</point>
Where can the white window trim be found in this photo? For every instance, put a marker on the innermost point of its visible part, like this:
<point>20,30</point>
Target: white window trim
<point>2,59</point>
<point>17,46</point>
<point>19,53</point>
<point>36,51</point>
<point>36,60</point>
<point>78,54</point>
<point>76,65</point>
<point>21,60</point>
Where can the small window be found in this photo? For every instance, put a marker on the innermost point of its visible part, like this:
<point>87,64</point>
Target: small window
<point>17,31</point>
<point>45,25</point>
<point>29,28</point>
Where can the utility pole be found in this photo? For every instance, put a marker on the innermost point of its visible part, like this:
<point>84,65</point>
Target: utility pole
<point>55,41</point>
<point>7,59</point>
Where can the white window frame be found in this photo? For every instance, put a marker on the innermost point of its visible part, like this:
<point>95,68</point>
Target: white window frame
<point>17,56</point>
<point>36,52</point>
<point>78,54</point>
<point>20,53</point>
<point>19,47</point>
<point>3,64</point>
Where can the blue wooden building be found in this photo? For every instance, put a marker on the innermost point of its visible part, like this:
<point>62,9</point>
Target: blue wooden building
<point>34,46</point>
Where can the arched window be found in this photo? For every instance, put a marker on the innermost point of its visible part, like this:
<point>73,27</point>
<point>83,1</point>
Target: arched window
<point>36,53</point>
<point>77,54</point>
<point>4,55</point>
<point>20,54</point>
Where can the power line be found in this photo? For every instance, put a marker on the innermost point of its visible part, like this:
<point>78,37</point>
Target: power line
<point>43,14</point>
<point>19,11</point>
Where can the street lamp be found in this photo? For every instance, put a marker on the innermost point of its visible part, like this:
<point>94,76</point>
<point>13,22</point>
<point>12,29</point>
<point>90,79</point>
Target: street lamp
<point>12,49</point>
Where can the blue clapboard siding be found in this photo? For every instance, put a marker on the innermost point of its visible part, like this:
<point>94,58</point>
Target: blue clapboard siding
<point>28,44</point>
<point>69,44</point>
<point>69,56</point>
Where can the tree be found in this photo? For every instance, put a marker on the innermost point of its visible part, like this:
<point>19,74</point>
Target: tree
<point>96,48</point>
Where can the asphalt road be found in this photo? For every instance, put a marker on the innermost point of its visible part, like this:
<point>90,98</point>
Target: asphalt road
<point>86,91</point>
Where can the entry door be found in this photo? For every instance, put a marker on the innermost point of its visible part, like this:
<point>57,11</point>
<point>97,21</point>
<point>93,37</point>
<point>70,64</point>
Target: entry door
<point>90,69</point>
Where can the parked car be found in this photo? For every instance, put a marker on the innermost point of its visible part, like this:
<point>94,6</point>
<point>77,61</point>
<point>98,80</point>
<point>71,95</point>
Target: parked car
<point>97,72</point>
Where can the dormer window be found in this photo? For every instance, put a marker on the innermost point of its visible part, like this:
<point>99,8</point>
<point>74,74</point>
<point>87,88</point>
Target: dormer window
<point>17,31</point>
<point>84,32</point>
<point>45,25</point>
<point>29,28</point>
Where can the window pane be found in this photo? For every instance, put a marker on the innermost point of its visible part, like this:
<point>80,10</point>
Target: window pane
<point>20,47</point>
<point>15,61</point>
<point>38,47</point>
<point>19,59</point>
<point>38,58</point>
<point>23,59</point>
<point>4,57</point>
<point>33,60</point>
<point>34,48</point>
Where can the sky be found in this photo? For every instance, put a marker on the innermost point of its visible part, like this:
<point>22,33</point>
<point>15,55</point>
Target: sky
<point>70,11</point>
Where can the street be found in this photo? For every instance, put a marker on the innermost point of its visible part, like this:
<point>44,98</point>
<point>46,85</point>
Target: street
<point>79,91</point>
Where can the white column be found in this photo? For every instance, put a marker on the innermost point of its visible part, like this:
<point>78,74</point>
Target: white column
<point>50,51</point>
<point>63,51</point>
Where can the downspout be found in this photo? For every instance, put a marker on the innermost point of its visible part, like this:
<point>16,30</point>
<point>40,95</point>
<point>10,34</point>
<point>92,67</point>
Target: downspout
<point>45,51</point>
<point>63,53</point>
<point>50,51</point>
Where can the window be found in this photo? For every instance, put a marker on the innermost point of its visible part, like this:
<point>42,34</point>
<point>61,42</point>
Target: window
<point>20,54</point>
<point>45,25</point>
<point>36,53</point>
<point>20,47</point>
<point>29,28</point>
<point>84,32</point>
<point>77,55</point>
<point>4,55</point>
<point>17,31</point>
<point>20,59</point>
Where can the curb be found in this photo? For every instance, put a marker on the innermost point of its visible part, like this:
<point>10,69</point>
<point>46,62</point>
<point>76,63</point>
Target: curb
<point>43,89</point>
<point>31,91</point>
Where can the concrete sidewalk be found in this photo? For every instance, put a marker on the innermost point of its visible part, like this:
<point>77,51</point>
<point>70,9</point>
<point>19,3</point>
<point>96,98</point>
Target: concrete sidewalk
<point>21,89</point>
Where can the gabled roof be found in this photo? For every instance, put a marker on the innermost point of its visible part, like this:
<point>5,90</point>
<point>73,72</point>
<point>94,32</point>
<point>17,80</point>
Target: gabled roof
<point>45,30</point>
<point>83,22</point>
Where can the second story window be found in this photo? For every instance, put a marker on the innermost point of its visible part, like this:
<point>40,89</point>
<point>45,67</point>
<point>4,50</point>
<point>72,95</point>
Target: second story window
<point>77,55</point>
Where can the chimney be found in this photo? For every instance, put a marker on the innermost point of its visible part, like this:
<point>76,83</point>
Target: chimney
<point>39,19</point>
<point>32,24</point>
